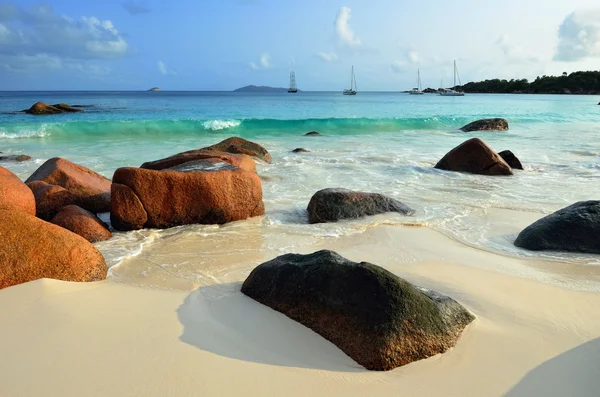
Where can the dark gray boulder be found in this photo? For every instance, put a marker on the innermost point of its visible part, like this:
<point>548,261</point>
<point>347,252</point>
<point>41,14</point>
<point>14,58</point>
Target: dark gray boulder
<point>331,205</point>
<point>575,228</point>
<point>510,159</point>
<point>378,319</point>
<point>312,133</point>
<point>496,124</point>
<point>300,150</point>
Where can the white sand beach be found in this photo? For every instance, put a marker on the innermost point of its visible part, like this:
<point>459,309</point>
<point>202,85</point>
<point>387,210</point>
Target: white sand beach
<point>113,339</point>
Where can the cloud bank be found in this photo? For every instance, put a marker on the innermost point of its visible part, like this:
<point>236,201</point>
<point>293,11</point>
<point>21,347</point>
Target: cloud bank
<point>579,36</point>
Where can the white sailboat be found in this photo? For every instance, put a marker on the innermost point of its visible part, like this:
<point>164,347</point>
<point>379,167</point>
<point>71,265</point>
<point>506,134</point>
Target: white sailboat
<point>352,90</point>
<point>452,92</point>
<point>417,90</point>
<point>293,88</point>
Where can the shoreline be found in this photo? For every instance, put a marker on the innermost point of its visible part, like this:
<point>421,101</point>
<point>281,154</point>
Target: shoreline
<point>528,338</point>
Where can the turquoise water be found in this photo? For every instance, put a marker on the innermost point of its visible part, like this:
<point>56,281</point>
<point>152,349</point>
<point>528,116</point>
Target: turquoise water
<point>382,142</point>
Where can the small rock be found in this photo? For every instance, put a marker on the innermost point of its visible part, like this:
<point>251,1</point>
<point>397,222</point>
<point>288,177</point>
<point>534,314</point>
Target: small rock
<point>312,133</point>
<point>475,157</point>
<point>331,205</point>
<point>496,124</point>
<point>83,223</point>
<point>300,150</point>
<point>14,157</point>
<point>572,229</point>
<point>511,159</point>
<point>378,319</point>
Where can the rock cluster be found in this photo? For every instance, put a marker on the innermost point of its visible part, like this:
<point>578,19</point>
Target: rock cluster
<point>41,108</point>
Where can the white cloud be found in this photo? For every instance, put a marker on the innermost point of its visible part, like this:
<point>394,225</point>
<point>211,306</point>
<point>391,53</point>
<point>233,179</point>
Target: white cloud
<point>343,30</point>
<point>414,57</point>
<point>164,70</point>
<point>254,66</point>
<point>265,60</point>
<point>579,36</point>
<point>328,56</point>
<point>409,59</point>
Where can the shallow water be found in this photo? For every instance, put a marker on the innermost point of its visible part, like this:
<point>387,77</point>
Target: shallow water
<point>381,142</point>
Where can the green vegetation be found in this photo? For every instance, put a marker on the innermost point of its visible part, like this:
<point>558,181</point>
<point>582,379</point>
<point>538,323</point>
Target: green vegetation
<point>574,83</point>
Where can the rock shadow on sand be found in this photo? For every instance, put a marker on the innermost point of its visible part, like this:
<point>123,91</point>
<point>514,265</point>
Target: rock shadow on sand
<point>221,320</point>
<point>574,373</point>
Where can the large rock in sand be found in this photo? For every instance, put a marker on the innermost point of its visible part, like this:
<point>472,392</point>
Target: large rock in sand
<point>83,223</point>
<point>496,124</point>
<point>331,205</point>
<point>91,189</point>
<point>49,199</point>
<point>172,198</point>
<point>14,194</point>
<point>242,161</point>
<point>475,157</point>
<point>572,229</point>
<point>126,210</point>
<point>32,249</point>
<point>241,146</point>
<point>378,319</point>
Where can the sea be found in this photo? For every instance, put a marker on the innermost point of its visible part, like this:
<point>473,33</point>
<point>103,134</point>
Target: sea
<point>383,142</point>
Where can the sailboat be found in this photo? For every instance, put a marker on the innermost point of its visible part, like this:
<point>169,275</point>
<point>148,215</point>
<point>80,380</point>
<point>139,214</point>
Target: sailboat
<point>452,92</point>
<point>352,90</point>
<point>417,90</point>
<point>293,88</point>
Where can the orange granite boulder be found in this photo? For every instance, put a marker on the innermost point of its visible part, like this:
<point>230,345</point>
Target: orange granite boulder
<point>32,249</point>
<point>242,161</point>
<point>241,146</point>
<point>171,197</point>
<point>91,189</point>
<point>49,199</point>
<point>83,223</point>
<point>41,108</point>
<point>475,157</point>
<point>126,209</point>
<point>14,194</point>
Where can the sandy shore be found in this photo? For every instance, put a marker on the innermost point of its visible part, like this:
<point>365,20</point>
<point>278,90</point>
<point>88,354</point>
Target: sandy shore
<point>530,338</point>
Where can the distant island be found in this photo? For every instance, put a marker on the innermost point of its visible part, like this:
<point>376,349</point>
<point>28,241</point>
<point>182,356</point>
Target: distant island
<point>579,83</point>
<point>262,88</point>
<point>154,89</point>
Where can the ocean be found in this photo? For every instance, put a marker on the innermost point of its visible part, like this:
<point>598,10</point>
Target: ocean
<point>377,142</point>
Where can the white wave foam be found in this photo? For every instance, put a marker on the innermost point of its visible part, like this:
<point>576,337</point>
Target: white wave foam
<point>24,132</point>
<point>216,125</point>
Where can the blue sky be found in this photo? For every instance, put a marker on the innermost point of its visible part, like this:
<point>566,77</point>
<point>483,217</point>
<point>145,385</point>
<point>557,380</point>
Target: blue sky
<point>225,44</point>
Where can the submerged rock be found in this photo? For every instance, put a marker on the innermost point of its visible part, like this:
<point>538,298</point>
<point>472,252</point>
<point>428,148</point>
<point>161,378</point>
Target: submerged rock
<point>331,205</point>
<point>49,199</point>
<point>14,194</point>
<point>242,161</point>
<point>172,198</point>
<point>14,157</point>
<point>32,249</point>
<point>512,160</point>
<point>300,150</point>
<point>40,108</point>
<point>91,189</point>
<point>378,319</point>
<point>572,229</point>
<point>312,133</point>
<point>475,157</point>
<point>83,223</point>
<point>496,124</point>
<point>241,146</point>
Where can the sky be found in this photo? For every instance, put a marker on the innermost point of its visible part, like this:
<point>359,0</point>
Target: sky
<point>226,44</point>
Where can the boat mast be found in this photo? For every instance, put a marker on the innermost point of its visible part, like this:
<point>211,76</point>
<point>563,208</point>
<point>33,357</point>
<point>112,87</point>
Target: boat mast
<point>352,79</point>
<point>419,79</point>
<point>454,86</point>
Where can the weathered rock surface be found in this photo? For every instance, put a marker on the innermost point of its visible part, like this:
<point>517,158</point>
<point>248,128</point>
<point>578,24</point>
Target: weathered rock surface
<point>312,133</point>
<point>572,229</point>
<point>173,198</point>
<point>241,146</point>
<point>14,194</point>
<point>40,108</point>
<point>32,249</point>
<point>331,205</point>
<point>378,319</point>
<point>512,160</point>
<point>83,223</point>
<point>91,189</point>
<point>126,210</point>
<point>475,157</point>
<point>300,150</point>
<point>49,199</point>
<point>14,157</point>
<point>242,161</point>
<point>496,124</point>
